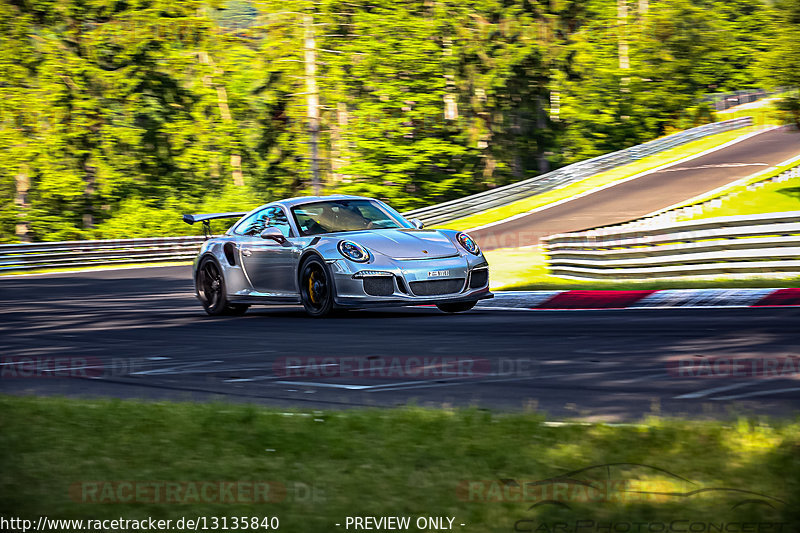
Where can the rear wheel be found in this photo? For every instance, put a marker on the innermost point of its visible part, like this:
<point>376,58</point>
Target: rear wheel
<point>458,307</point>
<point>316,287</point>
<point>210,286</point>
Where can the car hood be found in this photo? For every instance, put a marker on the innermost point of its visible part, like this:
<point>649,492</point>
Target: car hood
<point>405,244</point>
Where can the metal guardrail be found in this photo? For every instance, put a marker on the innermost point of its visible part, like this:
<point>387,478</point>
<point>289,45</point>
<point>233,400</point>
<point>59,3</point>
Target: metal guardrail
<point>469,205</point>
<point>723,101</point>
<point>745,244</point>
<point>81,254</point>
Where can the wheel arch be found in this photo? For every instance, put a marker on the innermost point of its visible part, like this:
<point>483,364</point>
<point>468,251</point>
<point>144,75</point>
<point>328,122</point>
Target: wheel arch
<point>222,305</point>
<point>209,255</point>
<point>201,258</point>
<point>315,253</point>
<point>304,257</point>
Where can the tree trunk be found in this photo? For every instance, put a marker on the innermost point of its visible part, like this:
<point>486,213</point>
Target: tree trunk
<point>225,113</point>
<point>541,123</point>
<point>22,185</point>
<point>312,99</point>
<point>88,193</point>
<point>339,157</point>
<point>622,15</point>
<point>450,103</point>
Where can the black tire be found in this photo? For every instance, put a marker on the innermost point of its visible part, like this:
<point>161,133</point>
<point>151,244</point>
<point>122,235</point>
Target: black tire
<point>316,287</point>
<point>458,307</point>
<point>210,287</point>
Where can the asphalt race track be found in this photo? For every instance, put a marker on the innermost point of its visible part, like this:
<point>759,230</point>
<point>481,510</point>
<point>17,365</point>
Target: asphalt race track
<point>638,197</point>
<point>140,333</point>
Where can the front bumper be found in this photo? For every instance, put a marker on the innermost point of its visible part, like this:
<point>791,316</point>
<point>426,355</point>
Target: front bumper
<point>387,301</point>
<point>409,282</point>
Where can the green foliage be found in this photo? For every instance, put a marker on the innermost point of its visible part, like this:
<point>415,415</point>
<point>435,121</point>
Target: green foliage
<point>790,109</point>
<point>780,66</point>
<point>115,117</point>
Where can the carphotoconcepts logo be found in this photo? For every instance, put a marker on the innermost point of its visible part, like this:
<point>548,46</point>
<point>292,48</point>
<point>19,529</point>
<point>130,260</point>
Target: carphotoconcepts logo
<point>190,492</point>
<point>734,367</point>
<point>680,525</point>
<point>405,367</point>
<point>612,482</point>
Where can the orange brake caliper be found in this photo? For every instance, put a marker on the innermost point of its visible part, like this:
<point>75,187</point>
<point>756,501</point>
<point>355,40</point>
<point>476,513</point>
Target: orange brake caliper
<point>311,287</point>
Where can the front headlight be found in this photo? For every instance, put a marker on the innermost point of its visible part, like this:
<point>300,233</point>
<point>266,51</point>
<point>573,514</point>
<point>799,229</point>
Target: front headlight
<point>353,251</point>
<point>468,243</point>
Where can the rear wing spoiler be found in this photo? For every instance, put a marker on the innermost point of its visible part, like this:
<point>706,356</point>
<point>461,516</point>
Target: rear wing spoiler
<point>207,218</point>
<point>191,219</point>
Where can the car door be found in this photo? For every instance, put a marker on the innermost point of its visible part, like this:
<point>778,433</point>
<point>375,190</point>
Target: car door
<point>269,265</point>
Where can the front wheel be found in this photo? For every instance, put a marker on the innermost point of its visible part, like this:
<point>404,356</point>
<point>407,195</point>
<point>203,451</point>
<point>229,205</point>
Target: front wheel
<point>210,286</point>
<point>458,307</point>
<point>316,287</point>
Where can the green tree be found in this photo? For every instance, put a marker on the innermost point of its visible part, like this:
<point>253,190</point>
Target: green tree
<point>116,117</point>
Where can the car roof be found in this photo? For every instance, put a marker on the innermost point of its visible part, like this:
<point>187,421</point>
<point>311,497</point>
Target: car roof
<point>288,203</point>
<point>299,200</point>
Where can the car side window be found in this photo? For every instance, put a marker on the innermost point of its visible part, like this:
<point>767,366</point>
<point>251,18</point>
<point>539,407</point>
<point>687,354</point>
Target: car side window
<point>269,216</point>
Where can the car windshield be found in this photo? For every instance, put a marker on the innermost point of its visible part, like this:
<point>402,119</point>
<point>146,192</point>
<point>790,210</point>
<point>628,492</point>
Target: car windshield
<point>333,216</point>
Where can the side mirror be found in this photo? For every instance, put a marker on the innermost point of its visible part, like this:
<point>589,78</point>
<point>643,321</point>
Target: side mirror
<point>273,233</point>
<point>417,223</point>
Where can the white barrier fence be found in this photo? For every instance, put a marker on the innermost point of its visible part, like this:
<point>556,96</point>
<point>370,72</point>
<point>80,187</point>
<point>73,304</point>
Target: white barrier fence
<point>734,245</point>
<point>81,254</point>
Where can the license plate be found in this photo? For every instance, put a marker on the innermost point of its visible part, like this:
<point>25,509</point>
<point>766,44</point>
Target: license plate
<point>438,273</point>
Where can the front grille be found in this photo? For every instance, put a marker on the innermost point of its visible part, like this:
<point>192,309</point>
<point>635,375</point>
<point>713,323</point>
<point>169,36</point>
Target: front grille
<point>379,285</point>
<point>401,284</point>
<point>479,278</point>
<point>437,287</point>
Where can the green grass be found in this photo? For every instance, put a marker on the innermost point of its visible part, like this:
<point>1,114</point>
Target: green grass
<point>397,462</point>
<point>771,197</point>
<point>525,269</point>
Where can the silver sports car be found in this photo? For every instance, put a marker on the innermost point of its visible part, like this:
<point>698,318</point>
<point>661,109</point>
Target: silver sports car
<point>335,252</point>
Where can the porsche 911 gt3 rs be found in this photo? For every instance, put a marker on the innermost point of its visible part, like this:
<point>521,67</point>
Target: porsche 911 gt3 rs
<point>335,252</point>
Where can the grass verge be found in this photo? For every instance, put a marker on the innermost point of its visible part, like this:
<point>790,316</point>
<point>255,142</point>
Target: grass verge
<point>400,462</point>
<point>769,197</point>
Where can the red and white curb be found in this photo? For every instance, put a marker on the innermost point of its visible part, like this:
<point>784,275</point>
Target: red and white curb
<point>587,299</point>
